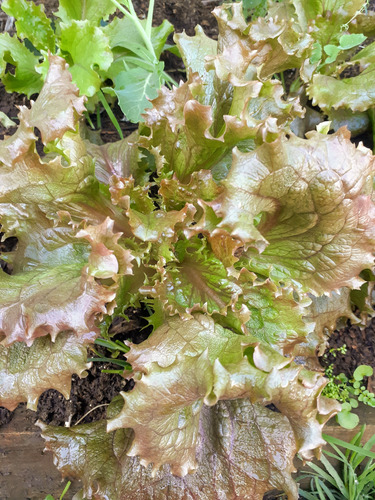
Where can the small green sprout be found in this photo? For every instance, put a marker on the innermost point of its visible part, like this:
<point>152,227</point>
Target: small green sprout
<point>116,347</point>
<point>67,486</point>
<point>348,391</point>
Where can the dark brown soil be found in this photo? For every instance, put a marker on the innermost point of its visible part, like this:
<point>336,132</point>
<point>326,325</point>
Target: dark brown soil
<point>97,389</point>
<point>360,343</point>
<point>94,391</point>
<point>184,15</point>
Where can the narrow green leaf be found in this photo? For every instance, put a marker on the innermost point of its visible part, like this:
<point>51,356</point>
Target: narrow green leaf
<point>306,494</point>
<point>112,345</point>
<point>325,492</point>
<point>322,473</point>
<point>112,360</point>
<point>110,113</point>
<point>335,475</point>
<point>349,446</point>
<point>67,486</point>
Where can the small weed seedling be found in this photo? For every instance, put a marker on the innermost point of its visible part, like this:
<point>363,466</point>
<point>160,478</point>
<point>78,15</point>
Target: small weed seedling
<point>348,391</point>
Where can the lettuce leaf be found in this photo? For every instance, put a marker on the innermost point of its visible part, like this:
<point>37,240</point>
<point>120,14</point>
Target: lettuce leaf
<point>259,49</point>
<point>228,430</point>
<point>25,80</point>
<point>194,50</point>
<point>58,106</point>
<point>85,56</point>
<point>272,315</point>
<point>117,158</point>
<point>181,128</point>
<point>53,287</point>
<point>81,10</point>
<point>31,23</point>
<point>316,212</point>
<point>26,372</point>
<point>323,313</point>
<point>349,93</point>
<point>186,364</point>
<point>197,282</point>
<point>48,301</point>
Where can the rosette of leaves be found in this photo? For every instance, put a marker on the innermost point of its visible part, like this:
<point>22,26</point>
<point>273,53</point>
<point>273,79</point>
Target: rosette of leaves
<point>229,227</point>
<point>124,51</point>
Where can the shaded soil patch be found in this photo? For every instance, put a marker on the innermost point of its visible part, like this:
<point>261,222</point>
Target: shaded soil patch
<point>90,396</point>
<point>360,343</point>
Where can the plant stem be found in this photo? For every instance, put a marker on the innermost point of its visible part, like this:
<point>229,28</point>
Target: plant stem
<point>98,119</point>
<point>110,114</point>
<point>87,116</point>
<point>133,16</point>
<point>150,15</point>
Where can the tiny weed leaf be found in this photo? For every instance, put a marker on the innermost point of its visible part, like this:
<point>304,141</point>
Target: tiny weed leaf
<point>362,371</point>
<point>351,40</point>
<point>316,53</point>
<point>332,52</point>
<point>347,419</point>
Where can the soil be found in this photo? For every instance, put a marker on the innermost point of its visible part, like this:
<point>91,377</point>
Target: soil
<point>360,343</point>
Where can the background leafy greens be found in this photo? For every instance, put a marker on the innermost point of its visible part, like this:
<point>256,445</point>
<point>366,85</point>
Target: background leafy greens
<point>119,58</point>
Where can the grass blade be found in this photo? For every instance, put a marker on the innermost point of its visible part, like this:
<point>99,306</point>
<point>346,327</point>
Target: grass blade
<point>339,483</point>
<point>109,112</point>
<point>350,446</point>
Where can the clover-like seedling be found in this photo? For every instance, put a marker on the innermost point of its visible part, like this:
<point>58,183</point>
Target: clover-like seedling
<point>345,417</point>
<point>343,389</point>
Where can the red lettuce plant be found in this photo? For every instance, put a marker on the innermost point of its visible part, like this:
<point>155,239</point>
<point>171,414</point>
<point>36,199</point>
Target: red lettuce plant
<point>243,238</point>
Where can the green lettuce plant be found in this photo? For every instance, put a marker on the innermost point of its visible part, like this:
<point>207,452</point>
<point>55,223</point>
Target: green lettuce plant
<point>244,241</point>
<point>254,8</point>
<point>120,58</point>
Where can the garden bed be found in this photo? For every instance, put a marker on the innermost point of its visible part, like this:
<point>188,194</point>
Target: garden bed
<point>25,472</point>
